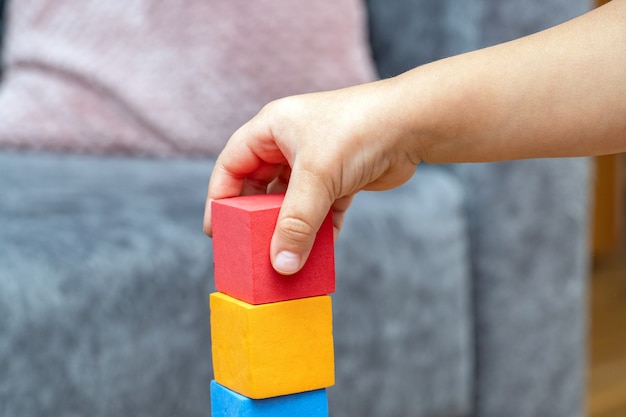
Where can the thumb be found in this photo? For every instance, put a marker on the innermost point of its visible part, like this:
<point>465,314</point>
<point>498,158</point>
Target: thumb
<point>307,202</point>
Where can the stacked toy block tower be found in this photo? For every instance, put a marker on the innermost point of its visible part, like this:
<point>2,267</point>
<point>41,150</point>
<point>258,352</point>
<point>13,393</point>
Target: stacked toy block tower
<point>272,339</point>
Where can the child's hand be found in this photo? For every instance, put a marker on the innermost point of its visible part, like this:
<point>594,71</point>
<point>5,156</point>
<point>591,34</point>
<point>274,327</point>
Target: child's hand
<point>505,102</point>
<point>321,149</point>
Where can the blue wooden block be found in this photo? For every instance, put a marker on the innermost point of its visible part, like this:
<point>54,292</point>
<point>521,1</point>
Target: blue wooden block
<point>228,403</point>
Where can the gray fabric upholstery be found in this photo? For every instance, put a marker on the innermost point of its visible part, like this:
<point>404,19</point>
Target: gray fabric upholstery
<point>2,28</point>
<point>402,312</point>
<point>104,276</point>
<point>529,252</point>
<point>105,272</point>
<point>408,33</point>
<point>528,227</point>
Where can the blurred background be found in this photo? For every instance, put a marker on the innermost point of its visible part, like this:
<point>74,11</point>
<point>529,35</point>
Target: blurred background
<point>607,384</point>
<point>607,341</point>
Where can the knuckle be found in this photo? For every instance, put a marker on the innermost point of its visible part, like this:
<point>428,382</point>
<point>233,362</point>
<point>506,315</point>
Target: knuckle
<point>296,230</point>
<point>268,108</point>
<point>321,178</point>
<point>274,108</point>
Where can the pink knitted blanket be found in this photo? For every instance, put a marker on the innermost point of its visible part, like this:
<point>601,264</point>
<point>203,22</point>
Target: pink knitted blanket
<point>167,77</point>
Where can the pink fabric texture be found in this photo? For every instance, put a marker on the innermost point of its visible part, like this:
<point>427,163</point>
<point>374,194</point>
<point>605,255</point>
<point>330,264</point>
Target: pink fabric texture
<point>167,77</point>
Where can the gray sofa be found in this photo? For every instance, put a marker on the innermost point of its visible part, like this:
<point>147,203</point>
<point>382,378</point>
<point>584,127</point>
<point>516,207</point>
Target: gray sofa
<point>462,293</point>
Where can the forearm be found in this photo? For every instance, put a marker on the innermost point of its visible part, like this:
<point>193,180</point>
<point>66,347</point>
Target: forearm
<point>560,92</point>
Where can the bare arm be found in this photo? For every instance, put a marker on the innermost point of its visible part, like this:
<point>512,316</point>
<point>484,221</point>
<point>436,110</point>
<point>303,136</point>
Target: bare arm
<point>560,92</point>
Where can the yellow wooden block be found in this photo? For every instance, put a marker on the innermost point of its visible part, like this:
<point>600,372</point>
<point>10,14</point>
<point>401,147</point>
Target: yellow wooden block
<point>274,349</point>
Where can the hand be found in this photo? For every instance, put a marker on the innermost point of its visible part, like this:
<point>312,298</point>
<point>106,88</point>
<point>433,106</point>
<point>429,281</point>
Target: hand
<point>320,149</point>
<point>505,102</point>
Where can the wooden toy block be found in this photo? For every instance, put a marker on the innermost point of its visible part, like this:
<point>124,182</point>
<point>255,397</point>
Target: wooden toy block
<point>242,231</point>
<point>228,403</point>
<point>269,350</point>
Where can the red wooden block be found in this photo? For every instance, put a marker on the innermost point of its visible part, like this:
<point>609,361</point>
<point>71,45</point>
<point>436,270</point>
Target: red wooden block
<point>242,231</point>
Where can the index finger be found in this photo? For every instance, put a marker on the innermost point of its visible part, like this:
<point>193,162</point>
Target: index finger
<point>250,151</point>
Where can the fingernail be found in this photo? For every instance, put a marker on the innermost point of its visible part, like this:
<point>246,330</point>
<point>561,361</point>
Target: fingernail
<point>287,262</point>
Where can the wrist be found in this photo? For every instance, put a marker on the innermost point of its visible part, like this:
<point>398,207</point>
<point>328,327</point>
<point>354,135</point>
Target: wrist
<point>413,113</point>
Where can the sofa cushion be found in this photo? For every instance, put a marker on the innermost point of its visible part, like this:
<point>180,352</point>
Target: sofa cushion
<point>167,77</point>
<point>403,319</point>
<point>104,276</point>
<point>530,263</point>
<point>105,272</point>
<point>408,33</point>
